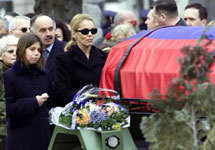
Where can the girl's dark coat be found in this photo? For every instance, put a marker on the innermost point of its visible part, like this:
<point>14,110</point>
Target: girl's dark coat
<point>28,127</point>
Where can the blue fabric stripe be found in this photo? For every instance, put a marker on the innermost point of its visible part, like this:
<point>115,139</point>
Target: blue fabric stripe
<point>177,32</point>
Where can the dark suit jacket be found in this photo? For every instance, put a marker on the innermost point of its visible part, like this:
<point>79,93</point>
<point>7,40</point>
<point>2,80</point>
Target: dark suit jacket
<point>28,127</point>
<point>57,49</point>
<point>181,22</point>
<point>74,70</point>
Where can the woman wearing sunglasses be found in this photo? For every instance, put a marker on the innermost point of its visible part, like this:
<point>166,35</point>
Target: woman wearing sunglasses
<point>81,64</point>
<point>8,45</point>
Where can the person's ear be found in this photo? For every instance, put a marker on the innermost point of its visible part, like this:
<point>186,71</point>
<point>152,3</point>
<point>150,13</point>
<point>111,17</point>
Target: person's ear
<point>204,22</point>
<point>73,34</point>
<point>163,17</point>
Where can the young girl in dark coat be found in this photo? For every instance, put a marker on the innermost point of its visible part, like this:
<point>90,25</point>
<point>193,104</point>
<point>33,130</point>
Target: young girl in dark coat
<point>27,88</point>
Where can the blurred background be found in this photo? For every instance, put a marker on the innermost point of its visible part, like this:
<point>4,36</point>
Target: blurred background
<point>137,6</point>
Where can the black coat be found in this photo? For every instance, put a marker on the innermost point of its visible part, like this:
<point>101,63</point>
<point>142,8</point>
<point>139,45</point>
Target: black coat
<point>57,49</point>
<point>28,127</point>
<point>74,70</point>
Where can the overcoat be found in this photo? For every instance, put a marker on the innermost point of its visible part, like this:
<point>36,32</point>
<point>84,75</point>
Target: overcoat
<point>28,127</point>
<point>74,70</point>
<point>58,48</point>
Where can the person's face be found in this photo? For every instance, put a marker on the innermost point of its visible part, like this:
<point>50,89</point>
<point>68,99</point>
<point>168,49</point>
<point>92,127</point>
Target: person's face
<point>33,54</point>
<point>130,18</point>
<point>8,57</point>
<point>59,34</point>
<point>84,40</point>
<point>22,26</point>
<point>159,19</point>
<point>44,27</point>
<point>150,20</point>
<point>191,17</point>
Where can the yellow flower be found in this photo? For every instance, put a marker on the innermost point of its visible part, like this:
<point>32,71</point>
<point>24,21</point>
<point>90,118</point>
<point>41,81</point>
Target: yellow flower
<point>82,118</point>
<point>116,126</point>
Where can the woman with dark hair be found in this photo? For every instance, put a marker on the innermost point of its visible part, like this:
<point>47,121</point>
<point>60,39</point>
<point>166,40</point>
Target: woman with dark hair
<point>62,32</point>
<point>27,88</point>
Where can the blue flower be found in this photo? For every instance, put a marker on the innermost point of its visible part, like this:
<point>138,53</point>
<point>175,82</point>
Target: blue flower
<point>97,117</point>
<point>82,102</point>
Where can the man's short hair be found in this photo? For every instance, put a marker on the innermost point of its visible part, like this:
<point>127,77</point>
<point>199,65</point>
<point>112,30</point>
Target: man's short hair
<point>169,7</point>
<point>123,15</point>
<point>203,14</point>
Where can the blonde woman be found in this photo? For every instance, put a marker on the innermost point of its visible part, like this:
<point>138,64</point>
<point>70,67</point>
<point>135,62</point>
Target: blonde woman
<point>81,64</point>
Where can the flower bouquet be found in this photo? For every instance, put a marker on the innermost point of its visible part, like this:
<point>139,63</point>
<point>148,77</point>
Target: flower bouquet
<point>85,111</point>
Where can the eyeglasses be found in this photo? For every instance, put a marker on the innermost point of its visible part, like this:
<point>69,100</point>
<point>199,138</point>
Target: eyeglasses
<point>24,29</point>
<point>10,51</point>
<point>86,31</point>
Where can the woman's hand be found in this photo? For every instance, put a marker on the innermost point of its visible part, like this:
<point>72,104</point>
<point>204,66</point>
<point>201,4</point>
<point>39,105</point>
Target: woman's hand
<point>42,98</point>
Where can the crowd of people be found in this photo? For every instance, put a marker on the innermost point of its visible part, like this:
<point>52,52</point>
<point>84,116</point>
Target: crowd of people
<point>45,61</point>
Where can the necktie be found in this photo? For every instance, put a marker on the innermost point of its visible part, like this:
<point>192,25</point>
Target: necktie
<point>46,54</point>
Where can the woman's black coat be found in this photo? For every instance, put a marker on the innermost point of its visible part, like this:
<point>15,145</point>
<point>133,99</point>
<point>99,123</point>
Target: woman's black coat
<point>28,127</point>
<point>74,70</point>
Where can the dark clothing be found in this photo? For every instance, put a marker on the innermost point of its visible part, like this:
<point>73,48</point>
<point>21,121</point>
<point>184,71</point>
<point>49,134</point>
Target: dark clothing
<point>28,127</point>
<point>74,70</point>
<point>181,22</point>
<point>4,67</point>
<point>58,48</point>
<point>3,131</point>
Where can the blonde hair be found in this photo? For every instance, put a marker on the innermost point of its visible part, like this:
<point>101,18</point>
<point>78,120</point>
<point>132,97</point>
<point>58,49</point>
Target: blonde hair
<point>74,24</point>
<point>126,29</point>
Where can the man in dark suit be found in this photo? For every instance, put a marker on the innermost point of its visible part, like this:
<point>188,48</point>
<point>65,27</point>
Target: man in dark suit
<point>165,13</point>
<point>45,27</point>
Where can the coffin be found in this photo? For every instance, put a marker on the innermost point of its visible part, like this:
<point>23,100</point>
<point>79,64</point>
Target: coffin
<point>151,60</point>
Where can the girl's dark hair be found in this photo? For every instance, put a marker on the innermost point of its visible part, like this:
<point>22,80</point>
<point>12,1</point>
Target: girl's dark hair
<point>25,41</point>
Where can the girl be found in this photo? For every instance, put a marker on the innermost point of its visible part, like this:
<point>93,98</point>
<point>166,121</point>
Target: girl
<point>26,88</point>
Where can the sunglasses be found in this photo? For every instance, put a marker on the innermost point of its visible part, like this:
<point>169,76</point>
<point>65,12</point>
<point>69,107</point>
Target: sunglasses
<point>86,31</point>
<point>10,51</point>
<point>24,29</point>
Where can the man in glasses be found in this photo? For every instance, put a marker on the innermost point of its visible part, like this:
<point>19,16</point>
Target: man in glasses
<point>19,25</point>
<point>45,27</point>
